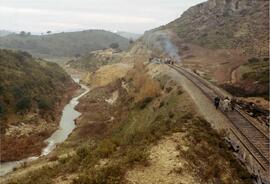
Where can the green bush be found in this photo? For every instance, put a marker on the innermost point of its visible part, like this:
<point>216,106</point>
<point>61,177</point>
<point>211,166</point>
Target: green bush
<point>253,60</point>
<point>23,104</point>
<point>44,103</point>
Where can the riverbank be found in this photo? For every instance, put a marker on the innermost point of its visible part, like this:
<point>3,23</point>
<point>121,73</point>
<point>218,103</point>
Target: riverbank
<point>26,138</point>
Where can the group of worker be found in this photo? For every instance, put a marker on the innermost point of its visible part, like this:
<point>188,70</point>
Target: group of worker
<point>227,104</point>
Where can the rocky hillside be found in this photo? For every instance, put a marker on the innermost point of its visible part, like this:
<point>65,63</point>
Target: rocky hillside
<point>242,24</point>
<point>63,44</point>
<point>32,95</point>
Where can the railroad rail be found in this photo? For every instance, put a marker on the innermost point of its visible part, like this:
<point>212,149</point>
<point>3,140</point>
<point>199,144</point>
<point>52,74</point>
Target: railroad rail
<point>254,139</point>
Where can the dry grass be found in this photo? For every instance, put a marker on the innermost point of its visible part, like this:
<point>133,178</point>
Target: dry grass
<point>144,86</point>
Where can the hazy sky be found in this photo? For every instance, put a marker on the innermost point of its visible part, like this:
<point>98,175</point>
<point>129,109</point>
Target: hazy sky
<point>70,15</point>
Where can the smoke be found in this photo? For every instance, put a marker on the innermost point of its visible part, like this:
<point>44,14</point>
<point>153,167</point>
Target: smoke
<point>162,42</point>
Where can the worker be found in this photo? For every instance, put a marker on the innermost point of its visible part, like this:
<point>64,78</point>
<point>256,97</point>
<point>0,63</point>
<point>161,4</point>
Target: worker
<point>216,102</point>
<point>233,103</point>
<point>226,104</point>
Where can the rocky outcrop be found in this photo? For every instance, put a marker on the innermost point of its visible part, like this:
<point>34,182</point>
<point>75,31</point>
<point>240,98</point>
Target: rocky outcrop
<point>231,5</point>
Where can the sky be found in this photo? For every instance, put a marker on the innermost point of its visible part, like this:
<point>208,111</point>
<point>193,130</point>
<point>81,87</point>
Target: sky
<point>137,16</point>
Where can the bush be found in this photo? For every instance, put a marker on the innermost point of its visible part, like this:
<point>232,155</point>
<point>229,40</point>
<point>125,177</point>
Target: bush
<point>145,86</point>
<point>112,174</point>
<point>137,155</point>
<point>114,45</point>
<point>44,103</point>
<point>23,104</point>
<point>143,103</point>
<point>253,60</point>
<point>105,148</point>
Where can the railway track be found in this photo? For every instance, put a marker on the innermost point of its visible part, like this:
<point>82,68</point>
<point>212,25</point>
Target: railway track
<point>254,139</point>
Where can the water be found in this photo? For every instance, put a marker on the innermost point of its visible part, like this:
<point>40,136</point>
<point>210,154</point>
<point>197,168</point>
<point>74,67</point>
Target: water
<point>66,126</point>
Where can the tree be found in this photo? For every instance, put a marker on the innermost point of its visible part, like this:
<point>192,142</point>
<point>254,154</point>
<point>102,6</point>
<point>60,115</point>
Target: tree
<point>114,45</point>
<point>29,34</point>
<point>22,33</point>
<point>49,32</point>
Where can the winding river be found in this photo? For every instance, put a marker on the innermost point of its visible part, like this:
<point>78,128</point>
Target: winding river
<point>66,126</point>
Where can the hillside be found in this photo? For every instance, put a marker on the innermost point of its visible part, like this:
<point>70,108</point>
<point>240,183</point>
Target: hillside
<point>217,37</point>
<point>242,24</point>
<point>128,35</point>
<point>63,44</point>
<point>32,94</point>
<point>140,125</point>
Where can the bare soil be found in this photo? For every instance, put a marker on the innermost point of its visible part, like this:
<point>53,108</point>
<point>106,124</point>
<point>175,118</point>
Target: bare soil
<point>166,165</point>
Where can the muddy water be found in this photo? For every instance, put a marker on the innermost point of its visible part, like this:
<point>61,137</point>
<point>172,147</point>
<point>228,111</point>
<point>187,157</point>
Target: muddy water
<point>66,126</point>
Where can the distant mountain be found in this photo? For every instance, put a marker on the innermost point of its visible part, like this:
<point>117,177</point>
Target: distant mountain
<point>5,32</point>
<point>63,44</point>
<point>130,36</point>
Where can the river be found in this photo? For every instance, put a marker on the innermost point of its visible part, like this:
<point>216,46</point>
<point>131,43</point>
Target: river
<point>66,126</point>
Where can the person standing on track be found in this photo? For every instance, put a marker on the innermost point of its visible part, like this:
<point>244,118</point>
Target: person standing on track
<point>226,104</point>
<point>216,102</point>
<point>233,103</point>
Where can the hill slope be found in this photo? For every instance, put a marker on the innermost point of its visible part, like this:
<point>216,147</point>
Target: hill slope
<point>32,95</point>
<point>242,24</point>
<point>63,44</point>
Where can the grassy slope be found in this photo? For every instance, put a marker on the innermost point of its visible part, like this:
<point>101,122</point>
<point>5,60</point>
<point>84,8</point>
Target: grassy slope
<point>32,93</point>
<point>63,44</point>
<point>25,79</point>
<point>106,150</point>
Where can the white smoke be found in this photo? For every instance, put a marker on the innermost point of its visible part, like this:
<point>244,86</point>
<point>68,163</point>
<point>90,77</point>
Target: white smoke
<point>161,41</point>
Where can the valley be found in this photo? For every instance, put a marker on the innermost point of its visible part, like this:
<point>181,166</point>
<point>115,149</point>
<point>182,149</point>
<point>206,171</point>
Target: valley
<point>94,107</point>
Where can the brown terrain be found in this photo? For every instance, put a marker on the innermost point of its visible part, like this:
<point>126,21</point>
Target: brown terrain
<point>27,139</point>
<point>31,104</point>
<point>140,124</point>
<point>217,40</point>
<point>143,122</point>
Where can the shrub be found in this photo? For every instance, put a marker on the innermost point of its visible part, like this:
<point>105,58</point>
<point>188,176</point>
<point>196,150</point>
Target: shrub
<point>23,104</point>
<point>44,103</point>
<point>253,60</point>
<point>136,155</point>
<point>111,174</point>
<point>82,152</point>
<point>143,103</point>
<point>105,148</point>
<point>114,45</point>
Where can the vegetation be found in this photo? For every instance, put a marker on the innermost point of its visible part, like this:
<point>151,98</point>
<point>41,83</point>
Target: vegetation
<point>28,85</point>
<point>93,61</point>
<point>220,25</point>
<point>106,157</point>
<point>254,79</point>
<point>63,44</point>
